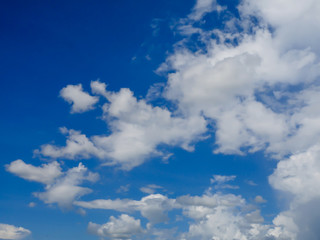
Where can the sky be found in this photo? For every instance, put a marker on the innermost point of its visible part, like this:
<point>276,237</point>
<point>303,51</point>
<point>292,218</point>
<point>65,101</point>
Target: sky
<point>162,120</point>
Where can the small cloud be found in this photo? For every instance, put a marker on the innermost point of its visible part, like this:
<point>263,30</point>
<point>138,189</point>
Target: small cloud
<point>81,101</point>
<point>150,189</point>
<point>260,199</point>
<point>32,204</point>
<point>123,189</point>
<point>219,179</point>
<point>165,158</point>
<point>226,186</point>
<point>251,183</point>
<point>81,212</point>
<point>124,227</point>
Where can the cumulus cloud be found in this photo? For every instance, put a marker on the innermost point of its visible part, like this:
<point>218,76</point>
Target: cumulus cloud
<point>45,174</point>
<point>210,216</point>
<point>78,146</point>
<point>154,207</point>
<point>60,187</point>
<point>12,232</point>
<point>66,189</point>
<point>81,101</point>
<point>137,128</point>
<point>299,176</point>
<point>123,227</point>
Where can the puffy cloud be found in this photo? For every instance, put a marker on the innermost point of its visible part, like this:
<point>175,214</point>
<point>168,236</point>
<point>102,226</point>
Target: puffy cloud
<point>137,130</point>
<point>297,15</point>
<point>298,175</point>
<point>12,232</point>
<point>231,85</point>
<point>213,215</point>
<point>46,173</point>
<point>117,228</point>
<point>81,101</point>
<point>78,146</point>
<point>99,88</point>
<point>154,207</point>
<point>210,216</point>
<point>66,189</point>
<point>226,216</point>
<point>61,187</point>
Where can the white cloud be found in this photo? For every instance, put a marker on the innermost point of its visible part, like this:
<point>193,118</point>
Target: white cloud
<point>66,189</point>
<point>123,189</point>
<point>220,182</point>
<point>202,7</point>
<point>151,188</point>
<point>81,101</point>
<point>137,128</point>
<point>251,183</point>
<point>219,179</point>
<point>154,207</point>
<point>117,228</point>
<point>259,199</point>
<point>32,204</point>
<point>61,187</point>
<point>99,88</point>
<point>210,216</point>
<point>12,232</point>
<point>46,173</point>
<point>299,175</point>
<point>286,17</point>
<point>78,146</point>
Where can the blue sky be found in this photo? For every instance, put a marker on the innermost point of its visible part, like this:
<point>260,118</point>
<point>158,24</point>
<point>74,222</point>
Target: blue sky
<point>173,120</point>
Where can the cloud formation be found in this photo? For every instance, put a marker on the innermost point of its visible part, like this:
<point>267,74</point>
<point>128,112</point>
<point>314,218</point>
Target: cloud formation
<point>210,216</point>
<point>117,228</point>
<point>81,101</point>
<point>137,127</point>
<point>45,174</point>
<point>60,187</point>
<point>12,232</point>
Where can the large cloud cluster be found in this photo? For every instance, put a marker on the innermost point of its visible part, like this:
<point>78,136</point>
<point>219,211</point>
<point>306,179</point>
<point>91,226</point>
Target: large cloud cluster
<point>213,215</point>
